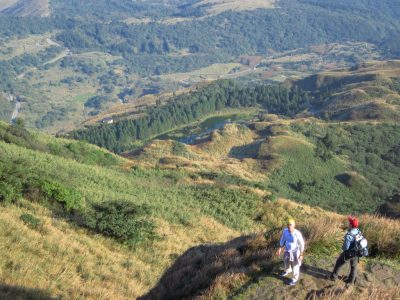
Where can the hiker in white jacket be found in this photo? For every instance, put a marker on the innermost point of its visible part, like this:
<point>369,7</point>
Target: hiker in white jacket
<point>293,243</point>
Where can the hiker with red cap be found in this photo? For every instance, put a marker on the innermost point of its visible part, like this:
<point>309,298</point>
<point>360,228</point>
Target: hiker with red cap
<point>351,239</point>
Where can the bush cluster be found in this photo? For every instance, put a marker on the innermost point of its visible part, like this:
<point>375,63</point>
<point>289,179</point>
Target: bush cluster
<point>31,221</point>
<point>69,198</point>
<point>122,220</point>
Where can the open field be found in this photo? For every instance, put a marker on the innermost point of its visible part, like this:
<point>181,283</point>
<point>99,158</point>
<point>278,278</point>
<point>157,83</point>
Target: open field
<point>219,6</point>
<point>24,8</point>
<point>211,72</point>
<point>7,3</point>
<point>30,45</point>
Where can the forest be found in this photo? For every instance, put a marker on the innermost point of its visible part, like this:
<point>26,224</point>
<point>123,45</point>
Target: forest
<point>119,137</point>
<point>152,48</point>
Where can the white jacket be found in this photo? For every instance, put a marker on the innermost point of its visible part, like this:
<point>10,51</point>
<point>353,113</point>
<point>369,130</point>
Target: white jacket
<point>292,241</point>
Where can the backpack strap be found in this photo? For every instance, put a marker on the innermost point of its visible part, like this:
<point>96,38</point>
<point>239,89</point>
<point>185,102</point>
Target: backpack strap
<point>353,243</point>
<point>354,235</point>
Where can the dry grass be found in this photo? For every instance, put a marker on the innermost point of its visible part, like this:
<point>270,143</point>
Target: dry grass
<point>383,235</point>
<point>68,262</point>
<point>32,44</point>
<point>26,8</point>
<point>205,270</point>
<point>370,293</point>
<point>222,141</point>
<point>214,155</point>
<point>219,6</point>
<point>317,225</point>
<point>211,72</point>
<point>214,271</point>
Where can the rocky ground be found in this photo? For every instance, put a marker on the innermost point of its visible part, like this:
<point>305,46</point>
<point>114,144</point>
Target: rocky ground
<point>314,282</point>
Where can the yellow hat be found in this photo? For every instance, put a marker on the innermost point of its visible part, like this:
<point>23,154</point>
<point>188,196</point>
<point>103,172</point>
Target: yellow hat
<point>291,221</point>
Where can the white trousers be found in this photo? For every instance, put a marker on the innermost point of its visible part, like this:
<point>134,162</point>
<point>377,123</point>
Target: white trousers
<point>292,266</point>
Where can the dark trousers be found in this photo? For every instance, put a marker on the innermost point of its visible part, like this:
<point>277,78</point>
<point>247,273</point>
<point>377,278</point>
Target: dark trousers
<point>342,259</point>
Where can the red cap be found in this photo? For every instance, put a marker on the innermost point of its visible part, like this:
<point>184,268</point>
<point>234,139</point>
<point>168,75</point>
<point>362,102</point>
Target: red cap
<point>353,221</point>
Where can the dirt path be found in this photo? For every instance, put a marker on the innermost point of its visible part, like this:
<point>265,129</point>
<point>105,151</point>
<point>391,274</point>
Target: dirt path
<point>16,111</point>
<point>314,282</point>
<point>64,53</point>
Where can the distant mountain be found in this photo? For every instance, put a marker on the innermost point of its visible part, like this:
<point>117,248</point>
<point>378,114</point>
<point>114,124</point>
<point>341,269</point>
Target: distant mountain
<point>369,91</point>
<point>24,8</point>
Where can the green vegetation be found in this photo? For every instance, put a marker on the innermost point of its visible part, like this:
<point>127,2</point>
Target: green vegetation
<point>108,55</point>
<point>69,198</point>
<point>76,185</point>
<point>146,48</point>
<point>109,218</point>
<point>121,220</point>
<point>311,180</point>
<point>80,151</point>
<point>31,221</point>
<point>9,69</point>
<point>351,168</point>
<point>11,184</point>
<point>6,109</point>
<point>184,109</point>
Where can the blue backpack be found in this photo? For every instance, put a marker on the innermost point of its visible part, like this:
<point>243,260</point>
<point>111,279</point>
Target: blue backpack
<point>360,247</point>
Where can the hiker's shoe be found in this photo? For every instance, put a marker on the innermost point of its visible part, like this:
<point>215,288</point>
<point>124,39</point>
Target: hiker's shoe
<point>349,281</point>
<point>292,282</point>
<point>333,277</point>
<point>284,274</point>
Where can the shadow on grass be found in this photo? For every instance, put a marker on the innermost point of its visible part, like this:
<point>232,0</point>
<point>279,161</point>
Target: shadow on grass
<point>201,268</point>
<point>245,151</point>
<point>315,272</point>
<point>8,292</point>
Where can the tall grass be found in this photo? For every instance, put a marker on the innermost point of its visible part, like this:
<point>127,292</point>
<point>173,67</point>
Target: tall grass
<point>383,235</point>
<point>167,198</point>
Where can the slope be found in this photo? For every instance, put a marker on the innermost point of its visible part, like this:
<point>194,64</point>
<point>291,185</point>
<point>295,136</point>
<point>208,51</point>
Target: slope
<point>247,267</point>
<point>369,91</point>
<point>84,223</point>
<point>25,8</point>
<point>348,167</point>
<point>49,199</point>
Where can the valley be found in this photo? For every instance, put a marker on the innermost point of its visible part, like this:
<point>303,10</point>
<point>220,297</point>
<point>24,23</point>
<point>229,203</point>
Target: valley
<point>157,149</point>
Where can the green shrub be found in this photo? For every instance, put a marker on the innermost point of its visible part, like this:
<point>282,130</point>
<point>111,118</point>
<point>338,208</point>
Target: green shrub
<point>122,220</point>
<point>69,198</point>
<point>8,192</point>
<point>270,197</point>
<point>11,180</point>
<point>31,221</point>
<point>179,149</point>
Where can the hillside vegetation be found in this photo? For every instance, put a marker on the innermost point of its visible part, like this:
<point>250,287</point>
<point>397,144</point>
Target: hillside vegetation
<point>369,91</point>
<point>25,8</point>
<point>86,223</point>
<point>186,108</point>
<point>104,60</point>
<point>219,6</point>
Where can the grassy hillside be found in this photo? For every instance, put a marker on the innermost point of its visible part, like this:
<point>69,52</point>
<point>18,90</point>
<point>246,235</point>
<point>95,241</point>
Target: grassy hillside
<point>369,91</point>
<point>182,214</point>
<point>219,6</point>
<point>345,168</point>
<point>247,267</point>
<point>84,223</point>
<point>25,8</point>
